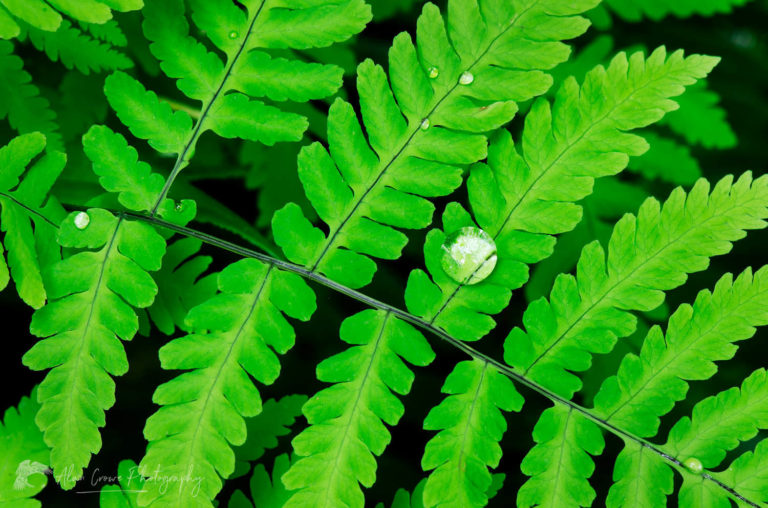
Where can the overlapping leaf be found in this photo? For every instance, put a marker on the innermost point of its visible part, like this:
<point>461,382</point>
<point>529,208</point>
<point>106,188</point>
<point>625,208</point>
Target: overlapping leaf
<point>336,452</point>
<point>635,10</point>
<point>236,335</point>
<point>423,122</point>
<point>23,219</point>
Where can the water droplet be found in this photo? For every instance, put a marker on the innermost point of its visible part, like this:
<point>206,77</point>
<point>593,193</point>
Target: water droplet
<point>433,72</point>
<point>693,465</point>
<point>425,124</point>
<point>179,207</point>
<point>466,78</point>
<point>469,255</point>
<point>82,220</point>
<point>233,35</point>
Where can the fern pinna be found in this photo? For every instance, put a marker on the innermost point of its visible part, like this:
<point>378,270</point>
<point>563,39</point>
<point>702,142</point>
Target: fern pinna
<point>89,243</point>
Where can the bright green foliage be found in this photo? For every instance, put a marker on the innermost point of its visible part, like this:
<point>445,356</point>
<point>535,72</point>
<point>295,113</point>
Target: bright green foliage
<point>47,16</point>
<point>181,285</point>
<point>76,49</point>
<point>471,425</point>
<point>23,193</point>
<point>236,335</point>
<point>642,476</point>
<point>266,491</point>
<point>25,457</point>
<point>230,90</point>
<point>22,104</point>
<point>404,499</point>
<point>700,120</point>
<point>147,117</point>
<point>462,78</point>
<point>748,474</point>
<point>92,294</point>
<point>347,419</point>
<point>274,421</point>
<point>522,198</point>
<point>648,385</point>
<point>588,313</point>
<point>109,32</point>
<point>666,160</point>
<point>635,10</point>
<point>125,494</point>
<point>559,464</point>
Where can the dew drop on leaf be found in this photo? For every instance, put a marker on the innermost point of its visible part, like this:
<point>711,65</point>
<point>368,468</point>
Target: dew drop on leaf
<point>469,255</point>
<point>425,124</point>
<point>433,72</point>
<point>233,35</point>
<point>179,207</point>
<point>466,78</point>
<point>82,220</point>
<point>693,465</point>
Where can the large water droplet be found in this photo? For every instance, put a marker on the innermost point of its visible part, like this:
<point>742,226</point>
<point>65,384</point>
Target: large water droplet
<point>82,220</point>
<point>425,124</point>
<point>693,465</point>
<point>469,255</point>
<point>233,35</point>
<point>466,78</point>
<point>433,72</point>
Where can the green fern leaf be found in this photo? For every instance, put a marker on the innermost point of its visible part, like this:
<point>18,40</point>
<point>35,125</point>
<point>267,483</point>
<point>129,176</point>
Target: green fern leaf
<point>639,268</point>
<point>520,200</point>
<point>20,101</point>
<point>202,412</point>
<point>462,78</point>
<point>273,422</point>
<point>181,285</point>
<point>666,160</point>
<point>21,205</point>
<point>267,492</point>
<point>75,49</point>
<point>471,426</point>
<point>647,385</point>
<point>404,499</point>
<point>25,456</point>
<point>92,298</point>
<point>8,27</point>
<point>642,476</point>
<point>337,450</point>
<point>748,473</point>
<point>109,32</point>
<point>47,16</point>
<point>36,12</point>
<point>230,90</point>
<point>125,494</point>
<point>559,464</point>
<point>700,120</point>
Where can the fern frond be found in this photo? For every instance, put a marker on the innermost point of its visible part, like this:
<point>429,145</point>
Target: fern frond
<point>235,337</point>
<point>648,385</point>
<point>347,419</point>
<point>522,199</point>
<point>640,475</point>
<point>25,456</point>
<point>647,255</point>
<point>125,494</point>
<point>462,78</point>
<point>700,119</point>
<point>20,100</point>
<point>23,193</point>
<point>636,10</point>
<point>76,49</point>
<point>559,464</point>
<point>47,16</point>
<point>404,499</point>
<point>274,421</point>
<point>471,426</point>
<point>266,491</point>
<point>230,90</point>
<point>92,296</point>
<point>180,285</point>
<point>109,32</point>
<point>748,474</point>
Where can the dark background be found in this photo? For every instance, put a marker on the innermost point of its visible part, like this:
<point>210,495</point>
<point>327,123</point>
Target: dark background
<point>741,79</point>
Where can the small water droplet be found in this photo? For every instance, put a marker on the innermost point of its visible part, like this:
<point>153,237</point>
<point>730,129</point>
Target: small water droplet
<point>233,35</point>
<point>179,207</point>
<point>693,465</point>
<point>466,78</point>
<point>425,124</point>
<point>469,255</point>
<point>82,220</point>
<point>433,72</point>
